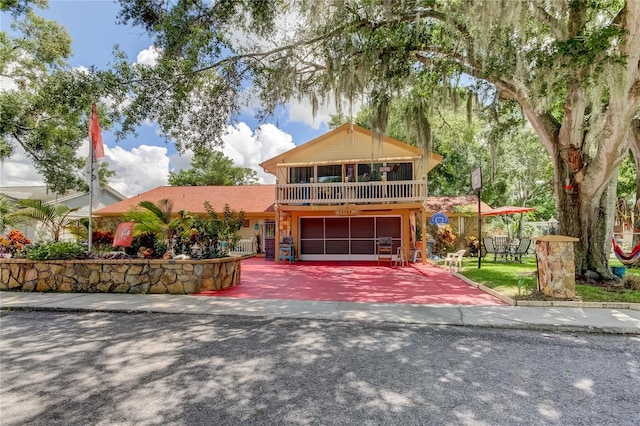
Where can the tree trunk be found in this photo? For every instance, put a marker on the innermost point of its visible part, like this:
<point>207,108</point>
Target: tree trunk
<point>636,211</point>
<point>634,145</point>
<point>589,218</point>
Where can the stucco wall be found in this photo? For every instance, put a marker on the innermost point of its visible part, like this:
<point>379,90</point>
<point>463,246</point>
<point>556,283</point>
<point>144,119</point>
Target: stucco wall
<point>120,276</point>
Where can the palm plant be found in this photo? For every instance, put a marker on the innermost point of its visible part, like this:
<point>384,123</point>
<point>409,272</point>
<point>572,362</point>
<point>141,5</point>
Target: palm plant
<point>55,217</point>
<point>7,209</point>
<point>159,222</point>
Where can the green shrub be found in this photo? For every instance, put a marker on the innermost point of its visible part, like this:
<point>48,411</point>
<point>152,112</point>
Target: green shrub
<point>56,251</point>
<point>144,242</point>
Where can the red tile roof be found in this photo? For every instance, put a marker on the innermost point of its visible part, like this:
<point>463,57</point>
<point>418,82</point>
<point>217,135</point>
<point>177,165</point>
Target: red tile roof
<point>249,198</point>
<point>447,204</point>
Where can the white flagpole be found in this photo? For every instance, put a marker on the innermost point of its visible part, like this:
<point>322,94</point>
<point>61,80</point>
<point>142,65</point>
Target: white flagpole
<point>91,177</point>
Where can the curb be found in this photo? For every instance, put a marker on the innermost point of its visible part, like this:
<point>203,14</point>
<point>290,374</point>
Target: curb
<point>556,327</point>
<point>549,303</point>
<point>497,295</point>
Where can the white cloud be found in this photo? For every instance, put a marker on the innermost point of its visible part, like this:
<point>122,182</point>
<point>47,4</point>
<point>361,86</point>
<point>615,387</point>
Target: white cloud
<point>303,112</point>
<point>139,170</point>
<point>7,83</point>
<point>18,171</point>
<point>247,148</point>
<point>148,56</point>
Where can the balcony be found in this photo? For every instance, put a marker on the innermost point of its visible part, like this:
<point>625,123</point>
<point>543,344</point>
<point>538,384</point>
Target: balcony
<point>406,191</point>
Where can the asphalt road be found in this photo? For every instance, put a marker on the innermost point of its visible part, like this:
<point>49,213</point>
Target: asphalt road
<point>156,369</point>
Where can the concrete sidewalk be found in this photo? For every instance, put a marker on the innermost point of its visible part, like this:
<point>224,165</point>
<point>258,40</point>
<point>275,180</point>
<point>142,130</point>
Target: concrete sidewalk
<point>600,320</point>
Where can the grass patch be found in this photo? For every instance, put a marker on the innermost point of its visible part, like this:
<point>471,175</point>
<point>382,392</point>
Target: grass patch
<point>519,281</point>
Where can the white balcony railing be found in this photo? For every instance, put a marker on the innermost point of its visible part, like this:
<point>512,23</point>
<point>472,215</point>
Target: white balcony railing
<point>351,192</point>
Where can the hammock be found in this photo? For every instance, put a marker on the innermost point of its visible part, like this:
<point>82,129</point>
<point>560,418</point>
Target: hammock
<point>627,259</point>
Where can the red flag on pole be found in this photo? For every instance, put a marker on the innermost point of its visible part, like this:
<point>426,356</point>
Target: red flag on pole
<point>95,135</point>
<point>124,235</point>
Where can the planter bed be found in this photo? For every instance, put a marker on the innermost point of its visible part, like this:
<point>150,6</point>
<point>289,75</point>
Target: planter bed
<point>137,276</point>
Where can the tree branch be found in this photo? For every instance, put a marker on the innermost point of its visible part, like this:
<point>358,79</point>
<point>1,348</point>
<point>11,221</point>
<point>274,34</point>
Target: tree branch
<point>553,24</point>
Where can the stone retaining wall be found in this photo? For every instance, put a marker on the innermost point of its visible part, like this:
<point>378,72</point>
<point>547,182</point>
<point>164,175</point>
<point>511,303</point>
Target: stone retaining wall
<point>120,276</point>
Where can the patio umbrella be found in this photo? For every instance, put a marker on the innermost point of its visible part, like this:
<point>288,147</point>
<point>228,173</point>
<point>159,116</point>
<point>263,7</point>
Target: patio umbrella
<point>509,210</point>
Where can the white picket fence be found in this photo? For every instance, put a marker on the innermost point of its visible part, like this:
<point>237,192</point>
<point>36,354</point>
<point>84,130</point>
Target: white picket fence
<point>244,247</point>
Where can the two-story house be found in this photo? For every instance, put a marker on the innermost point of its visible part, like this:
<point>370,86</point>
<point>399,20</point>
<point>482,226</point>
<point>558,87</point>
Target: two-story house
<point>336,195</point>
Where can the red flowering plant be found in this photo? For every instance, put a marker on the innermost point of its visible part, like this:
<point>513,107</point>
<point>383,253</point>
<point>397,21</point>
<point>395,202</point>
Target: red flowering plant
<point>13,242</point>
<point>102,240</point>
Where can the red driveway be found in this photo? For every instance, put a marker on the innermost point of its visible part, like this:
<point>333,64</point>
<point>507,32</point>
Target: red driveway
<point>353,282</point>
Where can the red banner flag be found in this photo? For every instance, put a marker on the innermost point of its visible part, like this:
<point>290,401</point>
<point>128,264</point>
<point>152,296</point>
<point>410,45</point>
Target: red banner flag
<point>124,235</point>
<point>95,135</point>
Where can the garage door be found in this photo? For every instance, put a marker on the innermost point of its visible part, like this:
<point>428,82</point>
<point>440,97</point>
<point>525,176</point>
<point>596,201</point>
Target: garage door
<point>346,238</point>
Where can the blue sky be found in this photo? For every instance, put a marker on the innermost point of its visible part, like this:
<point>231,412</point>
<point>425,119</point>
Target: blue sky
<point>92,25</point>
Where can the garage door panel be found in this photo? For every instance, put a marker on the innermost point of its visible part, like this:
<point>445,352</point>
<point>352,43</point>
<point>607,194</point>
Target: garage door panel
<point>388,227</point>
<point>337,247</point>
<point>312,247</point>
<point>312,227</point>
<point>337,227</point>
<point>362,227</point>
<point>363,247</point>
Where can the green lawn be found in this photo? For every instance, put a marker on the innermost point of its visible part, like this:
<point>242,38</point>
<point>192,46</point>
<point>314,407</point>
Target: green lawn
<point>519,281</point>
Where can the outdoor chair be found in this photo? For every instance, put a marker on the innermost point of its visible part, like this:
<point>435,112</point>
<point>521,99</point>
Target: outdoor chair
<point>521,249</point>
<point>385,249</point>
<point>285,250</point>
<point>500,242</point>
<point>490,248</point>
<point>455,259</point>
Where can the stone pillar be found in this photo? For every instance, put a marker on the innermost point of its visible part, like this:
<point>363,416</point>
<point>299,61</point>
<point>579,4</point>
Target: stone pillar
<point>556,266</point>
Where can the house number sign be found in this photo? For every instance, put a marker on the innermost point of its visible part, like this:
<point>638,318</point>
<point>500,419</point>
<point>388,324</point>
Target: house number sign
<point>348,210</point>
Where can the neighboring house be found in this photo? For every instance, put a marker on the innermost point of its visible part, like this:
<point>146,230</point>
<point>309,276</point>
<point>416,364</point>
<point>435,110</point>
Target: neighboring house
<point>338,194</point>
<point>72,199</point>
<point>461,211</point>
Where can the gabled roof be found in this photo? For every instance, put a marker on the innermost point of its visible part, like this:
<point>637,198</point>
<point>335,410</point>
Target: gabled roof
<point>248,198</point>
<point>449,204</point>
<point>270,165</point>
<point>42,192</point>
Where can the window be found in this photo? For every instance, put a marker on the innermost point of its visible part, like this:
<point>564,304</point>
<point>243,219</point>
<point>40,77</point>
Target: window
<point>369,172</point>
<point>400,171</point>
<point>300,174</point>
<point>331,173</point>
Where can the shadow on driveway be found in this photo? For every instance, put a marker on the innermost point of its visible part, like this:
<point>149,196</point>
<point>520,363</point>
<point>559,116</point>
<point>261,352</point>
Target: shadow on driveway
<point>353,282</point>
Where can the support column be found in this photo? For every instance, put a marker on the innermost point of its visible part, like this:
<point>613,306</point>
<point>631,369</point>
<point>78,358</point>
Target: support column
<point>556,266</point>
<point>276,247</point>
<point>423,231</point>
